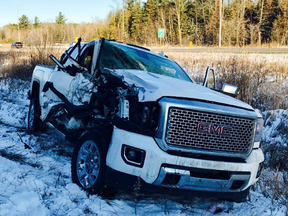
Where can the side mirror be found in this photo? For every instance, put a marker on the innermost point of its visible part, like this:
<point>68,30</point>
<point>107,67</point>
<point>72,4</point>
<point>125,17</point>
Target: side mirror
<point>230,90</point>
<point>209,80</point>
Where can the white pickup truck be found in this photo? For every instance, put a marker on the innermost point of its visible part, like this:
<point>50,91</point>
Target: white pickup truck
<point>137,116</point>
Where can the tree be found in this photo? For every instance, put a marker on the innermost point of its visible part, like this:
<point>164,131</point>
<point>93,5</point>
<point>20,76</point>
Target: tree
<point>220,23</point>
<point>148,20</point>
<point>270,14</point>
<point>36,22</point>
<point>180,8</point>
<point>2,35</point>
<point>260,21</point>
<point>280,30</point>
<point>135,26</point>
<point>60,19</point>
<point>23,22</point>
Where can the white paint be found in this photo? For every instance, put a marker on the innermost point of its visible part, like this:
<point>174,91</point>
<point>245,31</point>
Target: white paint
<point>155,157</point>
<point>155,86</point>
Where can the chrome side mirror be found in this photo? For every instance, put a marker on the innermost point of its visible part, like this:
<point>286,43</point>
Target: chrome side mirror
<point>230,89</point>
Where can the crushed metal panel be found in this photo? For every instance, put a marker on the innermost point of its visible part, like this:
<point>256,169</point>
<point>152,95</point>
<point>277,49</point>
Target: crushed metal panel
<point>81,89</point>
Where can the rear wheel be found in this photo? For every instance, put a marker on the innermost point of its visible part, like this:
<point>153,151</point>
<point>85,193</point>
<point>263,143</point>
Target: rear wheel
<point>34,121</point>
<point>89,163</point>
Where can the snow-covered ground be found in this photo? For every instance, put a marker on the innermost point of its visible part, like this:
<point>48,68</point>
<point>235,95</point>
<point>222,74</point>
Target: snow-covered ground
<point>35,176</point>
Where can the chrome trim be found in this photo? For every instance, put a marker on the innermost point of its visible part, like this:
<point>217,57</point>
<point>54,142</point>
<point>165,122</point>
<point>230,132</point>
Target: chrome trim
<point>256,145</point>
<point>166,103</point>
<point>201,184</point>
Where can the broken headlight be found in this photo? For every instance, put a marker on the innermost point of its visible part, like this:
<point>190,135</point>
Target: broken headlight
<point>144,114</point>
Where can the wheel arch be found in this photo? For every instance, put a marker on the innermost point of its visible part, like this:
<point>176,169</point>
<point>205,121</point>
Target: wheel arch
<point>35,90</point>
<point>95,135</point>
<point>102,132</point>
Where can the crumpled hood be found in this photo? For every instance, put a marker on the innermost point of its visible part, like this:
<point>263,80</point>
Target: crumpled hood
<point>154,86</point>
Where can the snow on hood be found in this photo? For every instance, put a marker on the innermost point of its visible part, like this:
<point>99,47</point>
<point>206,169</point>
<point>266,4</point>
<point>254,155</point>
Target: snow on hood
<point>154,86</point>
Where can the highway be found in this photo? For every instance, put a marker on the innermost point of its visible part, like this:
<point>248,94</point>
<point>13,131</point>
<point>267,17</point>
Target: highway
<point>191,50</point>
<point>221,50</point>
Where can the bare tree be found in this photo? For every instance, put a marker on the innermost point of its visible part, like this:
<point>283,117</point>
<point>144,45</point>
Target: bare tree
<point>179,8</point>
<point>260,22</point>
<point>220,22</point>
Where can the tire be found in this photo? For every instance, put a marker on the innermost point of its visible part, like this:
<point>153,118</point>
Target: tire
<point>89,163</point>
<point>34,121</point>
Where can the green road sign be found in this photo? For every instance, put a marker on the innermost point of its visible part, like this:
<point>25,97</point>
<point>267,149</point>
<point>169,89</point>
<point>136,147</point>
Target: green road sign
<point>161,32</point>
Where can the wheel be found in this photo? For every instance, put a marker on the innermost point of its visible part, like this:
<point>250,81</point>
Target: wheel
<point>89,163</point>
<point>34,121</point>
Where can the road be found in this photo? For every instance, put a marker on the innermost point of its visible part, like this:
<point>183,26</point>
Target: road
<point>195,49</point>
<point>221,50</point>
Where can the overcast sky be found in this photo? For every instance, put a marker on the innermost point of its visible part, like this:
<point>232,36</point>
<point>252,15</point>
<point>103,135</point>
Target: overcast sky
<point>46,10</point>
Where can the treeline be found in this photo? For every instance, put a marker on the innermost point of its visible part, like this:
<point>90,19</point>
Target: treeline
<point>241,22</point>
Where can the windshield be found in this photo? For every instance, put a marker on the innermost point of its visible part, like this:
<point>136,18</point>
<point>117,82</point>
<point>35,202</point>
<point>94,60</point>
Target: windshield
<point>117,56</point>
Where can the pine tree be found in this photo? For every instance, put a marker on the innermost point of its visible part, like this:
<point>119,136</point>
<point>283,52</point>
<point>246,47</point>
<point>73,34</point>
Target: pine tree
<point>23,22</point>
<point>270,15</point>
<point>136,21</point>
<point>280,25</point>
<point>36,22</point>
<point>60,19</point>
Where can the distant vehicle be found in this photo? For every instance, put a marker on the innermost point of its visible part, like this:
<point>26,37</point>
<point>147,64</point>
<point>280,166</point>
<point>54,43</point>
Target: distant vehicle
<point>17,45</point>
<point>72,43</point>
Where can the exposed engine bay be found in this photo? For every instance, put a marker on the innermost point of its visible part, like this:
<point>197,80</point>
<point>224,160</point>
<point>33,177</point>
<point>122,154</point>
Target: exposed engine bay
<point>92,100</point>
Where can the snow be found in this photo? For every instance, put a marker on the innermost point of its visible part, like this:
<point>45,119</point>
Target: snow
<point>37,180</point>
<point>276,121</point>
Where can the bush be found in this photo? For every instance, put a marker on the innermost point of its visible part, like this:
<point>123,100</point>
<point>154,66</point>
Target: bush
<point>261,79</point>
<point>21,63</point>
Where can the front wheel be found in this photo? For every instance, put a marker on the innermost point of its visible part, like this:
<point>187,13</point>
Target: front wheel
<point>34,121</point>
<point>89,163</point>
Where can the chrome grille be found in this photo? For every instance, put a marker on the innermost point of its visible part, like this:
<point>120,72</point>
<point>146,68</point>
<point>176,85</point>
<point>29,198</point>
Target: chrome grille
<point>182,131</point>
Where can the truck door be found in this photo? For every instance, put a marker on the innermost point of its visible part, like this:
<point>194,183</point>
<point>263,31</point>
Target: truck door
<point>67,82</point>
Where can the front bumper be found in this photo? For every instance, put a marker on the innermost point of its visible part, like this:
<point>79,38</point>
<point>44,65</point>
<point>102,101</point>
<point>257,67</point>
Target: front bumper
<point>163,169</point>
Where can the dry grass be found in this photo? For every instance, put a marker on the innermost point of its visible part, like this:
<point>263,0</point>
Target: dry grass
<point>261,79</point>
<point>274,184</point>
<point>20,63</point>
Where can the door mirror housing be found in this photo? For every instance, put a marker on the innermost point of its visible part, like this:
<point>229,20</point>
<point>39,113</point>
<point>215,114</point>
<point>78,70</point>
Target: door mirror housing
<point>230,90</point>
<point>209,80</point>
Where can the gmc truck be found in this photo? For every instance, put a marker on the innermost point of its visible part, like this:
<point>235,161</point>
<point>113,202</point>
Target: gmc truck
<point>135,115</point>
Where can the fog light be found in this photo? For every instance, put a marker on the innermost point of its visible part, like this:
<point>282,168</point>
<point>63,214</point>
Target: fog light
<point>237,184</point>
<point>133,156</point>
<point>171,179</point>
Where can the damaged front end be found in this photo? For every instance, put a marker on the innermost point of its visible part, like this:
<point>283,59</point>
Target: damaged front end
<point>103,99</point>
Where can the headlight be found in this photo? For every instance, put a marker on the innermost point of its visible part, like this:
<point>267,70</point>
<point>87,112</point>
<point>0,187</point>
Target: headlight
<point>144,114</point>
<point>258,130</point>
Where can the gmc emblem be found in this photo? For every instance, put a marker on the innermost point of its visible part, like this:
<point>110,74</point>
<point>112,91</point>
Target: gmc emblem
<point>212,129</point>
